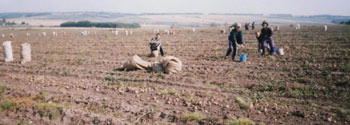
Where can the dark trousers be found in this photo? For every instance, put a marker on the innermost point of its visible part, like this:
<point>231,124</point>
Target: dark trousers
<point>232,46</point>
<point>260,44</point>
<point>268,43</point>
<point>161,51</point>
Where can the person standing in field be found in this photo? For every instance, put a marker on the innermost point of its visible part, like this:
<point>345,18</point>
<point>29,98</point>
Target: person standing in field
<point>253,25</point>
<point>156,46</point>
<point>235,38</point>
<point>246,26</point>
<point>266,38</point>
<point>260,42</point>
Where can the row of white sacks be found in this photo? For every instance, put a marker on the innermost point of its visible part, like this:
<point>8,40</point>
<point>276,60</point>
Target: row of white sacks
<point>169,32</point>
<point>28,34</point>
<point>25,52</point>
<point>116,32</point>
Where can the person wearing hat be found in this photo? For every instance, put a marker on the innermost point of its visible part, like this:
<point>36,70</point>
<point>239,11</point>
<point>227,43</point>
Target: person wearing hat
<point>235,38</point>
<point>266,38</point>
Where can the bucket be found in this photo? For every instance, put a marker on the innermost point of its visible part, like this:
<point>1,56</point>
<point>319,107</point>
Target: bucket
<point>275,49</point>
<point>242,57</point>
<point>281,51</point>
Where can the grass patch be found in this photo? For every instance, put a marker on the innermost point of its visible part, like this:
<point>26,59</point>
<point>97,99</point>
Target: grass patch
<point>218,49</point>
<point>258,95</point>
<point>79,61</point>
<point>272,57</point>
<point>7,105</point>
<point>49,110</point>
<point>170,91</point>
<point>211,120</point>
<point>242,103</point>
<point>24,122</point>
<point>191,117</point>
<point>66,72</point>
<point>110,78</point>
<point>40,97</point>
<point>344,114</point>
<point>118,115</point>
<point>345,67</point>
<point>45,64</point>
<point>267,87</point>
<point>2,89</point>
<point>303,91</point>
<point>239,121</point>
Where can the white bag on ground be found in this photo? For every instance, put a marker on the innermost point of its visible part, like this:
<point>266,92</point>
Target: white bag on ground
<point>280,52</point>
<point>136,62</point>
<point>25,53</point>
<point>8,55</point>
<point>171,64</point>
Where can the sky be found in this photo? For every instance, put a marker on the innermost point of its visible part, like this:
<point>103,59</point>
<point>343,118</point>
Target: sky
<point>295,7</point>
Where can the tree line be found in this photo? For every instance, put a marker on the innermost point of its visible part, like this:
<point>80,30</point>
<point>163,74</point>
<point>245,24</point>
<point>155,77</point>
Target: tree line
<point>345,22</point>
<point>100,24</point>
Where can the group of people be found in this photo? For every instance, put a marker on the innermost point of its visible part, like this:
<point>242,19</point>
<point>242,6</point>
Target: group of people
<point>246,25</point>
<point>264,38</point>
<point>235,39</point>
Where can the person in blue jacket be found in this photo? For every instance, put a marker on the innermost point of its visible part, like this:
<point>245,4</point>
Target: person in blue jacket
<point>235,38</point>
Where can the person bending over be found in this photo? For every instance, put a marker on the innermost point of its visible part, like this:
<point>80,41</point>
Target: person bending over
<point>235,38</point>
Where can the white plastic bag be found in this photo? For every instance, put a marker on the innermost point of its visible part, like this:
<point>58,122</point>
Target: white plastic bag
<point>25,53</point>
<point>8,55</point>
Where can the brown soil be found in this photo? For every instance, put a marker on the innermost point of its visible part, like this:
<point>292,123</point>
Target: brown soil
<point>73,79</point>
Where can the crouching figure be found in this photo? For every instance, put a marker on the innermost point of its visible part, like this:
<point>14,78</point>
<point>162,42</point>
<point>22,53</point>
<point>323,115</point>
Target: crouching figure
<point>156,46</point>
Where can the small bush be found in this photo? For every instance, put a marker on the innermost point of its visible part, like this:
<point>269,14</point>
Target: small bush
<point>99,24</point>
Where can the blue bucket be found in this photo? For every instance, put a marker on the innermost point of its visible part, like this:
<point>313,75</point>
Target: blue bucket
<point>275,49</point>
<point>242,57</point>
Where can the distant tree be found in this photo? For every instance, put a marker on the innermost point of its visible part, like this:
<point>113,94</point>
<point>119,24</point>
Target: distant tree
<point>103,25</point>
<point>4,20</point>
<point>23,23</point>
<point>345,22</point>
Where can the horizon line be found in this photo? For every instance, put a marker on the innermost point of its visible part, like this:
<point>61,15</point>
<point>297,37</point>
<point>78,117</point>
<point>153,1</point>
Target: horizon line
<point>212,13</point>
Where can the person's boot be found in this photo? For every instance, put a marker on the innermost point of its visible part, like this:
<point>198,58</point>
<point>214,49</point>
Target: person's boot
<point>263,52</point>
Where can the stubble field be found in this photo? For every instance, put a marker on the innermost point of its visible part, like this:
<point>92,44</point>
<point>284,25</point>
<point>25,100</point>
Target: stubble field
<point>73,79</point>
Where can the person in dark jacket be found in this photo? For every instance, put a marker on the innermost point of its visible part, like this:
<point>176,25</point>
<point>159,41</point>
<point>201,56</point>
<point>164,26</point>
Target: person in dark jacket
<point>235,38</point>
<point>266,38</point>
<point>253,25</point>
<point>246,25</point>
<point>156,44</point>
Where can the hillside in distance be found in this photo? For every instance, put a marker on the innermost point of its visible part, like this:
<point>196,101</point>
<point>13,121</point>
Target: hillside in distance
<point>169,19</point>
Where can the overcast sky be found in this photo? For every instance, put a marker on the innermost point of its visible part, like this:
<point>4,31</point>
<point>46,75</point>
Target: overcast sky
<point>296,7</point>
